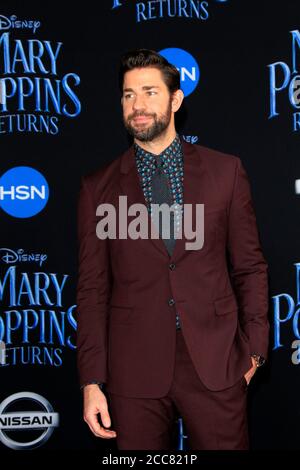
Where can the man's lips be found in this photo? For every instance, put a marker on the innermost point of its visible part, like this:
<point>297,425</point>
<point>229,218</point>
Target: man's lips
<point>141,118</point>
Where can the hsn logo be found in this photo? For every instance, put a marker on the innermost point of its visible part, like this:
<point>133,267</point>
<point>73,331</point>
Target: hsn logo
<point>187,67</point>
<point>24,192</point>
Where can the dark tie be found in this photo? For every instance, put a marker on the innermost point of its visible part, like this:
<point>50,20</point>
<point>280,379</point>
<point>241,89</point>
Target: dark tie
<point>161,194</point>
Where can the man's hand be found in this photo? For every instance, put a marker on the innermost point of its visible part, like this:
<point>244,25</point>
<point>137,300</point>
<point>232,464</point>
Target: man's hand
<point>95,402</point>
<point>248,376</point>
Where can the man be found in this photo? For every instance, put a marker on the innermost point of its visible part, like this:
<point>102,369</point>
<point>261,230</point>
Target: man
<point>169,330</point>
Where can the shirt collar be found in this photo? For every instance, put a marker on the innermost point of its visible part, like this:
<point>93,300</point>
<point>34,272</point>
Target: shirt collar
<point>146,157</point>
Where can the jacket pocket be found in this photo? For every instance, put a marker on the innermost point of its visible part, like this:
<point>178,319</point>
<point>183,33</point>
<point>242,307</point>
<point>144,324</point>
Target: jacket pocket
<point>226,305</point>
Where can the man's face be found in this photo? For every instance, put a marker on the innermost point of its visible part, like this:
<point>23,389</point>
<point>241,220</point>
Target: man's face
<point>147,103</point>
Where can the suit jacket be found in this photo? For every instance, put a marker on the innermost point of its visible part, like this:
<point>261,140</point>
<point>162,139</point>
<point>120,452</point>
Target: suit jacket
<point>126,333</point>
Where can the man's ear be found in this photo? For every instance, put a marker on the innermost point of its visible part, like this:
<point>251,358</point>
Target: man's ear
<point>177,99</point>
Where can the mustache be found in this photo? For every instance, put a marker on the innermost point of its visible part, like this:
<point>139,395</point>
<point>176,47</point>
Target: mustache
<point>132,116</point>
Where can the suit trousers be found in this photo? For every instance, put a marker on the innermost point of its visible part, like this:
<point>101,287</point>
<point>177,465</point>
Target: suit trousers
<point>213,420</point>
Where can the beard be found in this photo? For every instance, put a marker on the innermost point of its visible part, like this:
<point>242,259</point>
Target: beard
<point>159,125</point>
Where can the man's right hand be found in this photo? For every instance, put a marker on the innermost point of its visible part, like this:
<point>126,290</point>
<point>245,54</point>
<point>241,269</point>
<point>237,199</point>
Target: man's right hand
<point>95,402</point>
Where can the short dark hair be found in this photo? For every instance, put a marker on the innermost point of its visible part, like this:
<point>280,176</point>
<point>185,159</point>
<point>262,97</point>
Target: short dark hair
<point>142,58</point>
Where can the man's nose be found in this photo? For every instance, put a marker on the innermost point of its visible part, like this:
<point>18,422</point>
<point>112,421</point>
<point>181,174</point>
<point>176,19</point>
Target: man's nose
<point>138,103</point>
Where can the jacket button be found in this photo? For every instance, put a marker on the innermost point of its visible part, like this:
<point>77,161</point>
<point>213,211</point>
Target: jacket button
<point>171,302</point>
<point>172,266</point>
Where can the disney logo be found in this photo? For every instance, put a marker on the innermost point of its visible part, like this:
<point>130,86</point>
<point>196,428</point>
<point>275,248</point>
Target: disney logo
<point>192,139</point>
<point>13,22</point>
<point>9,256</point>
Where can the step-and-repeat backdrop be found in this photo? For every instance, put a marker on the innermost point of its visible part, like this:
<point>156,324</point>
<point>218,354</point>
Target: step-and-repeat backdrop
<point>60,118</point>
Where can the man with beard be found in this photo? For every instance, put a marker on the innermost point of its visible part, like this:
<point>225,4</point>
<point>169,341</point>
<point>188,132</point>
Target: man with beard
<point>169,331</point>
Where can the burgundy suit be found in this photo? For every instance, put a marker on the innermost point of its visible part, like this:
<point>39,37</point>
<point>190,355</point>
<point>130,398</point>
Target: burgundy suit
<point>126,326</point>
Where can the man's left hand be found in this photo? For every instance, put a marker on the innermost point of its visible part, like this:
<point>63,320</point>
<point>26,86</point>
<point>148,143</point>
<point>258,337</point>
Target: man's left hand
<point>248,376</point>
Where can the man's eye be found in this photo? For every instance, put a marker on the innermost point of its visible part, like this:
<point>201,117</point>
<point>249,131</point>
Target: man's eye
<point>129,95</point>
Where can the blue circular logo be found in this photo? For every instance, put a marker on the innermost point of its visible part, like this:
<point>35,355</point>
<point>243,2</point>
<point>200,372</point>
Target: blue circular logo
<point>187,67</point>
<point>24,192</point>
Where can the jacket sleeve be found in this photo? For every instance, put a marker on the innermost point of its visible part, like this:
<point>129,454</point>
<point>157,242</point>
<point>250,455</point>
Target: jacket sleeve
<point>93,292</point>
<point>248,268</point>
<point>92,382</point>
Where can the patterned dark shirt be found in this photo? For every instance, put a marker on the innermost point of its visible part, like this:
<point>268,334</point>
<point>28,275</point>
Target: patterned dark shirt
<point>172,161</point>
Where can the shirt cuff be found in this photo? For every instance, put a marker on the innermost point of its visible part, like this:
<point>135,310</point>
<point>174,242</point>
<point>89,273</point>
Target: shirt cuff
<point>92,382</point>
